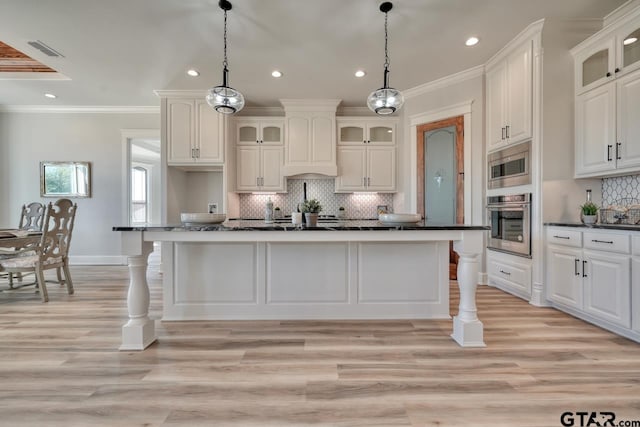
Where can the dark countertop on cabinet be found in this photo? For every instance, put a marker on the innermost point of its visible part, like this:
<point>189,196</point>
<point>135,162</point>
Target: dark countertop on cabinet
<point>625,227</point>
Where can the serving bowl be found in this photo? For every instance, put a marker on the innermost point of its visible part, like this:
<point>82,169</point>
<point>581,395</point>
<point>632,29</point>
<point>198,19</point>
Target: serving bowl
<point>399,218</point>
<point>202,218</point>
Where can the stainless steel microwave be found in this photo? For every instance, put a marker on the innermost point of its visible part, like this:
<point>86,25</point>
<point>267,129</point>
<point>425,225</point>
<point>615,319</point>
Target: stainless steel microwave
<point>510,167</point>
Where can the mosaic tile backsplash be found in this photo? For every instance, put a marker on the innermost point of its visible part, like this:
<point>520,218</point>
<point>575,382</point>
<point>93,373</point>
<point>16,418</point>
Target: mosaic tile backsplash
<point>357,205</point>
<point>621,190</point>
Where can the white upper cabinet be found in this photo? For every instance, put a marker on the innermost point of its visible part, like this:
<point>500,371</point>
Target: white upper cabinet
<point>260,131</point>
<point>607,72</point>
<point>509,98</point>
<point>259,154</point>
<point>357,132</point>
<point>194,132</point>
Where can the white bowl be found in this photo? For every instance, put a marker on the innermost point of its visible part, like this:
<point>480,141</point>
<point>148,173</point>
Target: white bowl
<point>202,218</point>
<point>399,218</point>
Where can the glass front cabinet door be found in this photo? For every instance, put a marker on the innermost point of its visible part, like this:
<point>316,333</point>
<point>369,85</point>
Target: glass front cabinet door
<point>628,48</point>
<point>595,66</point>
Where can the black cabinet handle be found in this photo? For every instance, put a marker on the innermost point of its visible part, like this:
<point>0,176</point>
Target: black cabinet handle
<point>584,274</point>
<point>503,133</point>
<point>609,147</point>
<point>575,266</point>
<point>618,145</point>
<point>617,70</point>
<point>602,241</point>
<point>507,130</point>
<point>562,237</point>
<point>608,74</point>
<point>505,272</point>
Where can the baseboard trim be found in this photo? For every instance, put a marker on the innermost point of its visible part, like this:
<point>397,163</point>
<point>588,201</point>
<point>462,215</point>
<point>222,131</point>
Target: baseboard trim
<point>98,260</point>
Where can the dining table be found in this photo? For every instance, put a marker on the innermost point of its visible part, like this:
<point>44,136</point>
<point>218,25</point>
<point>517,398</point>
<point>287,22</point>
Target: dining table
<point>16,238</point>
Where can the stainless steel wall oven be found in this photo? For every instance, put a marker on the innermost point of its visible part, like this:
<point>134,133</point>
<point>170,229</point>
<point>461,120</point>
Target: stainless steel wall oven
<point>510,221</point>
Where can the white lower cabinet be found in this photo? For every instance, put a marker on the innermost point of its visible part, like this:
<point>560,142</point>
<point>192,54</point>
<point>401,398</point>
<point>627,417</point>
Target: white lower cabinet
<point>510,273</point>
<point>595,285</point>
<point>635,284</point>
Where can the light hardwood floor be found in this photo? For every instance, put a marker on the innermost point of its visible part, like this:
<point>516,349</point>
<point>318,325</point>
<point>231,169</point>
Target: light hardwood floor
<point>59,366</point>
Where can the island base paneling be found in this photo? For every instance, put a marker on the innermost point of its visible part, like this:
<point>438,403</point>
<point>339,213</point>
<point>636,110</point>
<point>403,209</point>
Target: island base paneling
<point>298,280</point>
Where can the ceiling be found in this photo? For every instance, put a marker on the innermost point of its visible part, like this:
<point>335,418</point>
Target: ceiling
<point>117,52</point>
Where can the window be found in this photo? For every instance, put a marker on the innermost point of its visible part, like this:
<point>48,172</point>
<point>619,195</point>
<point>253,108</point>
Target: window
<point>139,199</point>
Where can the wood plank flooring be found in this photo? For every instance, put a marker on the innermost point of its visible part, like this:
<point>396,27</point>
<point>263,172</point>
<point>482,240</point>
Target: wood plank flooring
<point>59,366</point>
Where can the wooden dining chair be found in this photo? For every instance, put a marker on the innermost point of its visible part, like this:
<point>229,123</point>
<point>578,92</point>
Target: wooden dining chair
<point>52,250</point>
<point>32,216</point>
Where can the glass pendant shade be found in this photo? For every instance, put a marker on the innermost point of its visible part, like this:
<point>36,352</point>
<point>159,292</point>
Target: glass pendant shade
<point>386,100</point>
<point>225,100</point>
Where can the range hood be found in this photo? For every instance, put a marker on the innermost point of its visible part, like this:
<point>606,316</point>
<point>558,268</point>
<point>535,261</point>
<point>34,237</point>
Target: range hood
<point>310,137</point>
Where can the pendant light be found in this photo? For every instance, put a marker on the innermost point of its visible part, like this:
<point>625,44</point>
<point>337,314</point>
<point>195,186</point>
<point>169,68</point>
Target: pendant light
<point>225,99</point>
<point>385,100</point>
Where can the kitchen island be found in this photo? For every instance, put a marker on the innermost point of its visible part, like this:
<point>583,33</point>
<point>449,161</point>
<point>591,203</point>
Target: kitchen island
<point>344,270</point>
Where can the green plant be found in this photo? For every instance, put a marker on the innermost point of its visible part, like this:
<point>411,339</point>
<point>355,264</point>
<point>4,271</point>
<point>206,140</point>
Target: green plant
<point>589,208</point>
<point>311,206</point>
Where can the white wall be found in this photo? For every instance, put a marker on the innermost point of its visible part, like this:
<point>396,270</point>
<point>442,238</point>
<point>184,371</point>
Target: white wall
<point>438,99</point>
<point>562,194</point>
<point>28,138</point>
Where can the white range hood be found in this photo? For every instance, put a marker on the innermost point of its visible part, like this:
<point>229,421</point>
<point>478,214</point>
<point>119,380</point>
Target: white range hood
<point>310,136</point>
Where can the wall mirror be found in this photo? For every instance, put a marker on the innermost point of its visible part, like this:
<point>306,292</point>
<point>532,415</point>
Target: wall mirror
<point>65,179</point>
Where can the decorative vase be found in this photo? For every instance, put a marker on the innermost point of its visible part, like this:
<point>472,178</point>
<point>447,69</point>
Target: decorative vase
<point>311,219</point>
<point>589,219</point>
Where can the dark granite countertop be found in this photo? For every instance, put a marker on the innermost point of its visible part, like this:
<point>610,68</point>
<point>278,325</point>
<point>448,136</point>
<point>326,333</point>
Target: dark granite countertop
<point>253,225</point>
<point>626,227</point>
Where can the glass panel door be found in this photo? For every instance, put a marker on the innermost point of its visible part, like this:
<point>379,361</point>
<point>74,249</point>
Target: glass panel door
<point>631,48</point>
<point>595,67</point>
<point>440,175</point>
<point>378,134</point>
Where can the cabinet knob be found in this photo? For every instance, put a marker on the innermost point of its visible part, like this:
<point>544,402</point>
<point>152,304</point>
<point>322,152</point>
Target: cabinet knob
<point>617,70</point>
<point>608,74</point>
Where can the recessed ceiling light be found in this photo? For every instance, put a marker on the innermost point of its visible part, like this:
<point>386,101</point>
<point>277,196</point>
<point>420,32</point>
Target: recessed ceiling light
<point>629,40</point>
<point>472,41</point>
<point>276,73</point>
<point>50,95</point>
<point>193,73</point>
<point>360,73</point>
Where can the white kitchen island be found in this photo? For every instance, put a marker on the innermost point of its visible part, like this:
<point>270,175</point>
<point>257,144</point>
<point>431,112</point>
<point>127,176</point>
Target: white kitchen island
<point>350,270</point>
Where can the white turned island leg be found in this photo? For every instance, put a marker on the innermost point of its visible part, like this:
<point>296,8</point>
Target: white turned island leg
<point>139,332</point>
<point>467,328</point>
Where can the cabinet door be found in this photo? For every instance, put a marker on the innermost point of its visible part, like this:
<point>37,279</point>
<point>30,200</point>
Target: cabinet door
<point>271,169</point>
<point>247,132</point>
<point>271,133</point>
<point>351,133</point>
<point>628,116</point>
<point>595,65</point>
<point>209,134</point>
<point>564,276</point>
<point>351,169</point>
<point>495,106</point>
<point>607,287</point>
<point>381,168</point>
<point>628,48</point>
<point>381,134</point>
<point>247,168</point>
<point>519,91</point>
<point>595,131</point>
<point>180,131</point>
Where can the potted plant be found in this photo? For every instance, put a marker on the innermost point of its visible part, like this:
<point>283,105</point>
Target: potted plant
<point>310,208</point>
<point>589,213</point>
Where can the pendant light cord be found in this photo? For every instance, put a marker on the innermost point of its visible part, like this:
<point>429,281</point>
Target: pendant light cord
<point>225,63</point>
<point>386,40</point>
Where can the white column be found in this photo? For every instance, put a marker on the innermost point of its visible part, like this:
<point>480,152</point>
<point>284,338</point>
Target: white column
<point>467,328</point>
<point>139,332</point>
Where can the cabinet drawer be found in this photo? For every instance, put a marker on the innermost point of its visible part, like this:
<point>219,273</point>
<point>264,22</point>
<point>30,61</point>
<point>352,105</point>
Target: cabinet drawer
<point>517,275</point>
<point>607,242</point>
<point>564,237</point>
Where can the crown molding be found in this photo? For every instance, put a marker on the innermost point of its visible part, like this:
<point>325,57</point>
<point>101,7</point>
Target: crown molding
<point>620,13</point>
<point>330,105</point>
<point>533,30</point>
<point>443,82</point>
<point>261,111</point>
<point>102,109</point>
